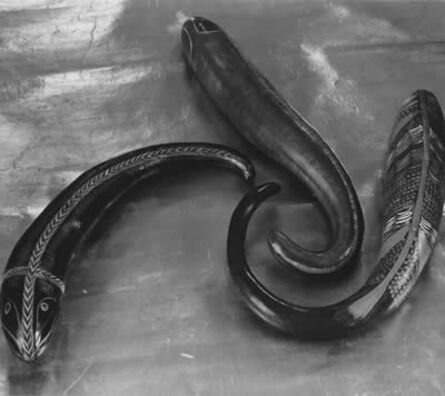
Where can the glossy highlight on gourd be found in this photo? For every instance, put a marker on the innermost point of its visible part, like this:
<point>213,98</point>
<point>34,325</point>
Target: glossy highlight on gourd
<point>413,191</point>
<point>266,120</point>
<point>413,198</point>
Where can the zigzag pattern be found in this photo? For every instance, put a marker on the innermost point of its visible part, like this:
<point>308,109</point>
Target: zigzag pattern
<point>40,273</point>
<point>403,196</point>
<point>417,160</point>
<point>26,331</point>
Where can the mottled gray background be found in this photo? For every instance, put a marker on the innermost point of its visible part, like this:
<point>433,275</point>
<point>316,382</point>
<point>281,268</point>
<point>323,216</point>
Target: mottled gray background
<point>151,308</point>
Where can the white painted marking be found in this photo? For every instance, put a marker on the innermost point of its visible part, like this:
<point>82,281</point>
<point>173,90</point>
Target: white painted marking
<point>187,355</point>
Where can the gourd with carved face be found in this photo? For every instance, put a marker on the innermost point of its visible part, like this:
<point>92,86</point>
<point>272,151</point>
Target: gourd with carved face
<point>29,317</point>
<point>191,30</point>
<point>34,278</point>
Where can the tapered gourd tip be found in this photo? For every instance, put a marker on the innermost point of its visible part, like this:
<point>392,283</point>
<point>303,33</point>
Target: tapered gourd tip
<point>200,24</point>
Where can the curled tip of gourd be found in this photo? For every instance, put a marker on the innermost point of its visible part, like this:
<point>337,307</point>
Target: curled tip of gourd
<point>298,259</point>
<point>266,190</point>
<point>279,244</point>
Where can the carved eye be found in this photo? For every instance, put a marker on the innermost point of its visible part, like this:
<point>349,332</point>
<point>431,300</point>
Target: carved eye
<point>44,306</point>
<point>205,26</point>
<point>7,308</point>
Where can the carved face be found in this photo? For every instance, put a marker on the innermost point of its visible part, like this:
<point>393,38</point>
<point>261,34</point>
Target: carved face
<point>29,321</point>
<point>192,29</point>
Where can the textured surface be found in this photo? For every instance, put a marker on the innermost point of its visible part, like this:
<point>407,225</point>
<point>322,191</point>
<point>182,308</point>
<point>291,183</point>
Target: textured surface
<point>150,306</point>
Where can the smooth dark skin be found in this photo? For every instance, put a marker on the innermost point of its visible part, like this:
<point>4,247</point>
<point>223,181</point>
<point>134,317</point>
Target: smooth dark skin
<point>413,191</point>
<point>305,322</point>
<point>265,119</point>
<point>352,313</point>
<point>58,231</point>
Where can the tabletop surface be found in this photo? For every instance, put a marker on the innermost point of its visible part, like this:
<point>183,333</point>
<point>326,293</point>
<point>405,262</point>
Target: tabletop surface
<point>150,305</point>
